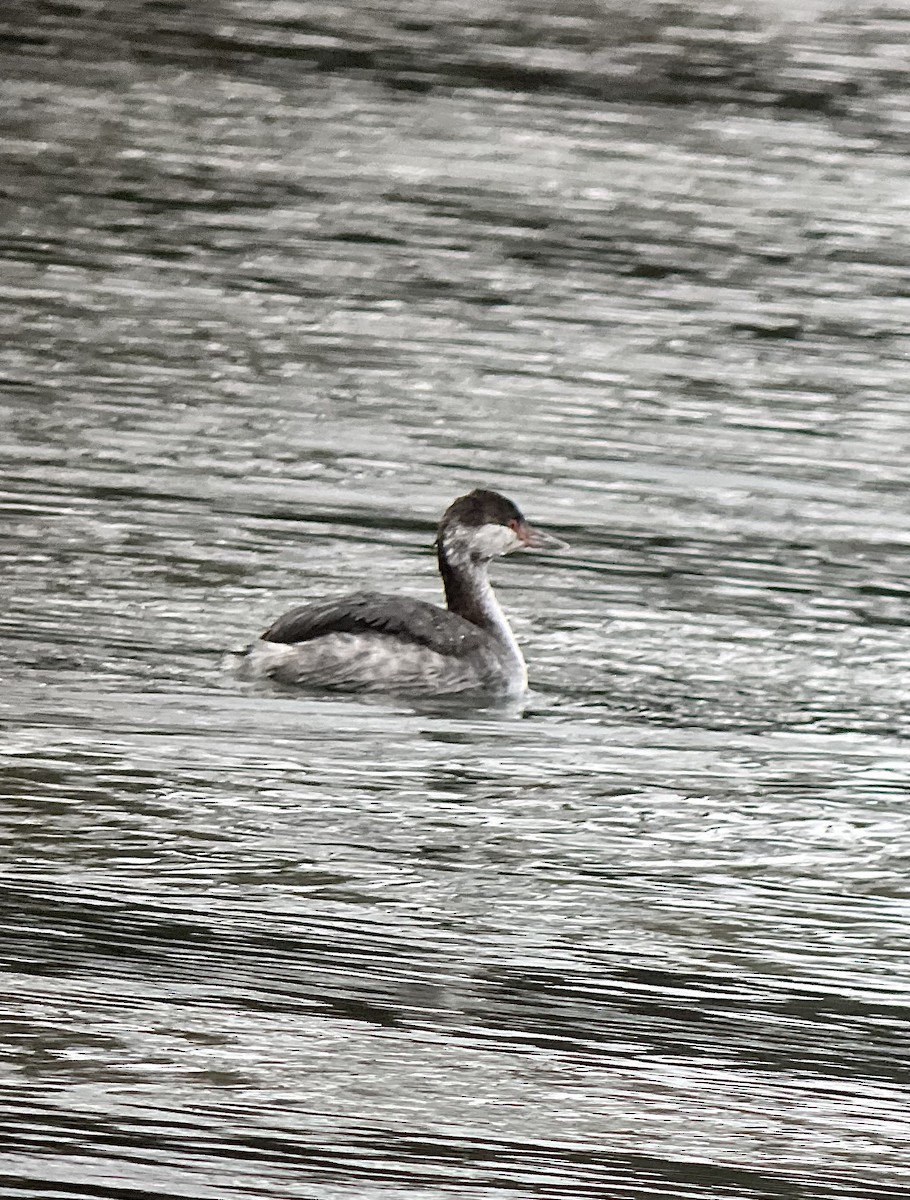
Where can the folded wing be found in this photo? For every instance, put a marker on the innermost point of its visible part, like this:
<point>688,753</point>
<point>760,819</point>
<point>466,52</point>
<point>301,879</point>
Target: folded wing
<point>413,621</point>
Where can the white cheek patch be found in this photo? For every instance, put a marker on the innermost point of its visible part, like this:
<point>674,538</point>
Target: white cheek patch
<point>489,541</point>
<point>481,542</point>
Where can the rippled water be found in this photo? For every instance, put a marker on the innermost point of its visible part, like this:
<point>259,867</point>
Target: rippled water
<point>280,281</point>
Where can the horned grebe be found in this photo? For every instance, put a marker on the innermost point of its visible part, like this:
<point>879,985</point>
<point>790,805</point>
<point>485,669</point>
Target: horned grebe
<point>373,642</point>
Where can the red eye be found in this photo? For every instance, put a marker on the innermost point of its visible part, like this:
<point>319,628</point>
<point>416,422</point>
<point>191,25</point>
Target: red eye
<point>521,531</point>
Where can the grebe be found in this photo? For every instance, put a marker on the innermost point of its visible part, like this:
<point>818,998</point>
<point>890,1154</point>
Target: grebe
<point>374,642</point>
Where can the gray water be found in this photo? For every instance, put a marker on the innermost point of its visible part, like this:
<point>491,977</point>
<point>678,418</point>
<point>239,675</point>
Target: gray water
<point>279,281</point>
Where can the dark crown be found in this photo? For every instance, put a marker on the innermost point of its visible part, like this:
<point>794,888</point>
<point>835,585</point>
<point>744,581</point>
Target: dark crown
<point>481,507</point>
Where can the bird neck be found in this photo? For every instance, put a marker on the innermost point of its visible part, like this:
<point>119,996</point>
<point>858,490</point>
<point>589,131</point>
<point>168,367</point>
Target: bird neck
<point>470,594</point>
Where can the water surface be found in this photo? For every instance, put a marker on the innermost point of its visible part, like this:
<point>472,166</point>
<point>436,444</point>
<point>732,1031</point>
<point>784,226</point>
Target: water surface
<point>278,282</point>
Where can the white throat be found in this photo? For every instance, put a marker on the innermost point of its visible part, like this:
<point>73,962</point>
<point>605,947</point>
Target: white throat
<point>465,555</point>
